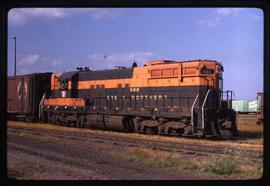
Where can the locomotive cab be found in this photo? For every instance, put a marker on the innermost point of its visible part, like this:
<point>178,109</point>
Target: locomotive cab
<point>216,108</point>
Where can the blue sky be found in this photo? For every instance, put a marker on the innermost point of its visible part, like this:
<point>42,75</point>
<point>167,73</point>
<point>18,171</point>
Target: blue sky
<point>58,40</point>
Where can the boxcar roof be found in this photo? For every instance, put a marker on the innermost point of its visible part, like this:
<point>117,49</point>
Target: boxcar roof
<point>28,75</point>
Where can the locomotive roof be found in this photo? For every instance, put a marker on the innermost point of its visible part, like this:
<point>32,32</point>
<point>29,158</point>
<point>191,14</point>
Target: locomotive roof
<point>156,62</point>
<point>202,60</point>
<point>118,73</point>
<point>100,74</point>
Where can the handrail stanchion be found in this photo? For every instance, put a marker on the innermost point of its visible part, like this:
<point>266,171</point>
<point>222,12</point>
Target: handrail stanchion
<point>203,107</point>
<point>192,107</point>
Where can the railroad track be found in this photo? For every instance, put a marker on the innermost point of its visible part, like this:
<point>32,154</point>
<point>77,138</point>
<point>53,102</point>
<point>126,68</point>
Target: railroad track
<point>183,147</point>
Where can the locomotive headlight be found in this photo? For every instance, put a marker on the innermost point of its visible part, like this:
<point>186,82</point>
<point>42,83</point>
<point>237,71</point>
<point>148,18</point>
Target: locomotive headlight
<point>48,106</point>
<point>75,107</point>
<point>65,107</point>
<point>156,109</point>
<point>116,108</point>
<point>218,68</point>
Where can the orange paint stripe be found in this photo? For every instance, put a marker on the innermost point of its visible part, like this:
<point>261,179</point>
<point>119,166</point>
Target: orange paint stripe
<point>65,102</point>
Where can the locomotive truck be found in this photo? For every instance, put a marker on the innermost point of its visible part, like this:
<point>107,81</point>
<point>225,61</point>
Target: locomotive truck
<point>165,97</point>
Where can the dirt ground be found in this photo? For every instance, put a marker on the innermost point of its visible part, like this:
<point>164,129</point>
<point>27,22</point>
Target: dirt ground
<point>39,156</point>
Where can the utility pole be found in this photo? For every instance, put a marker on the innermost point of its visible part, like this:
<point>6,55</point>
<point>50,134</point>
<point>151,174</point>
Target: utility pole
<point>14,56</point>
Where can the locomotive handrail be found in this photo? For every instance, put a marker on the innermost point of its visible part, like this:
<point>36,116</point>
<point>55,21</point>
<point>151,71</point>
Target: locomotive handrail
<point>40,105</point>
<point>192,109</point>
<point>203,107</point>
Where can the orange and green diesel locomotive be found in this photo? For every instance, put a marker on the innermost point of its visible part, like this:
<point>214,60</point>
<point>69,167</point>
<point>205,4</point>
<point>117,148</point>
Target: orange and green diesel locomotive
<point>165,97</point>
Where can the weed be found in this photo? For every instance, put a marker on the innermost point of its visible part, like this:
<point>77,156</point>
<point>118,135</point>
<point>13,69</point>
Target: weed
<point>221,166</point>
<point>190,164</point>
<point>170,162</point>
<point>154,157</point>
<point>252,172</point>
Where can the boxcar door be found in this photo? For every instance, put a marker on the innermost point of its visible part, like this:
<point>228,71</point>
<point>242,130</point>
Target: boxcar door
<point>26,95</point>
<point>12,95</point>
<point>19,95</point>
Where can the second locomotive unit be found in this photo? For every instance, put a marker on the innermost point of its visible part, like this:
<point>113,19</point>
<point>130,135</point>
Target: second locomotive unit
<point>165,97</point>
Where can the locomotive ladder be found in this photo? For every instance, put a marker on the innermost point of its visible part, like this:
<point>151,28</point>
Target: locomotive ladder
<point>192,112</point>
<point>206,96</point>
<point>196,125</point>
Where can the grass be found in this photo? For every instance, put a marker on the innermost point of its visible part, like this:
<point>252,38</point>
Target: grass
<point>190,164</point>
<point>233,167</point>
<point>255,172</point>
<point>248,128</point>
<point>38,137</point>
<point>221,166</point>
<point>153,157</point>
<point>159,158</point>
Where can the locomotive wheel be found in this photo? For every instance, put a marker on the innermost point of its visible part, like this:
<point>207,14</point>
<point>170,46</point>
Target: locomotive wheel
<point>151,130</point>
<point>29,119</point>
<point>148,130</point>
<point>161,129</point>
<point>174,132</point>
<point>79,123</point>
<point>131,126</point>
<point>128,124</point>
<point>187,130</point>
<point>56,119</point>
<point>144,129</point>
<point>229,130</point>
<point>169,131</point>
<point>258,122</point>
<point>62,120</point>
<point>49,116</point>
<point>138,128</point>
<point>72,123</point>
<point>234,131</point>
<point>155,130</point>
<point>82,123</point>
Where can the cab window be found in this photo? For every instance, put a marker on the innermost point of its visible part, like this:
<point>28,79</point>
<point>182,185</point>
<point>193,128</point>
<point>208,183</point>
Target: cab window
<point>207,71</point>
